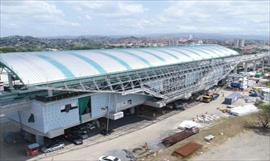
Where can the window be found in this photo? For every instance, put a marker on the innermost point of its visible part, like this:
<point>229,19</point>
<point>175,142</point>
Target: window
<point>31,118</point>
<point>130,102</point>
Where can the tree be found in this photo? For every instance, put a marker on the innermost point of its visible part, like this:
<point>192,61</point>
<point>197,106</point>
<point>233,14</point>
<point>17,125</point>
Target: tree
<point>264,114</point>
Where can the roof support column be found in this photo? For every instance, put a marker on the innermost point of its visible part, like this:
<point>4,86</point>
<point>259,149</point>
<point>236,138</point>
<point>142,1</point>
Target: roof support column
<point>235,70</point>
<point>245,67</point>
<point>10,81</point>
<point>50,92</point>
<point>254,65</point>
<point>262,61</point>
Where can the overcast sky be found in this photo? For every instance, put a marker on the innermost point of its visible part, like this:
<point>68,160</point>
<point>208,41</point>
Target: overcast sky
<point>58,18</point>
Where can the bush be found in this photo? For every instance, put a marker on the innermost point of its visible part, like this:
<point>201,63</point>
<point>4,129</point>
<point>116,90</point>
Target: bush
<point>264,115</point>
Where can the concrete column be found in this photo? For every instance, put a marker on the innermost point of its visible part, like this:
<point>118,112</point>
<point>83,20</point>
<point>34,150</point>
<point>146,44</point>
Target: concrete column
<point>263,65</point>
<point>10,81</point>
<point>235,70</point>
<point>254,66</point>
<point>132,110</point>
<point>245,67</point>
<point>50,92</point>
<point>39,139</point>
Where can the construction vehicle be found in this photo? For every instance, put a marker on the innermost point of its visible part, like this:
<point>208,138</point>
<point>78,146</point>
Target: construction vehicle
<point>209,97</point>
<point>253,93</point>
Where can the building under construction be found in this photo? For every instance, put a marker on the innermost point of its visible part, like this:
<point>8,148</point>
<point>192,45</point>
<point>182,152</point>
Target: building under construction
<point>48,92</point>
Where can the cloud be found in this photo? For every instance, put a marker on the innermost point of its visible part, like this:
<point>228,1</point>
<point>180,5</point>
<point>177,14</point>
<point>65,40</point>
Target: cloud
<point>26,14</point>
<point>133,17</point>
<point>107,8</point>
<point>218,16</point>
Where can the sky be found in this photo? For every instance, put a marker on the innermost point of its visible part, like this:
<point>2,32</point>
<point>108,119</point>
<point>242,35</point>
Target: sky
<point>72,18</point>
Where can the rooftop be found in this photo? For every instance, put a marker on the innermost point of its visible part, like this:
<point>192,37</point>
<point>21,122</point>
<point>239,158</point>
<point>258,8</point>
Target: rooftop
<point>34,68</point>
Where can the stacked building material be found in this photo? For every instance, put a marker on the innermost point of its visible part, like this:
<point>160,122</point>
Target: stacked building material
<point>169,141</point>
<point>188,149</point>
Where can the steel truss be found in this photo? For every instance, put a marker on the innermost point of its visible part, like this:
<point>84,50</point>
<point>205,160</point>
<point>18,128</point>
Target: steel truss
<point>167,82</point>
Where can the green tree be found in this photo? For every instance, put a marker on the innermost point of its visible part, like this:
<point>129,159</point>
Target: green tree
<point>264,114</point>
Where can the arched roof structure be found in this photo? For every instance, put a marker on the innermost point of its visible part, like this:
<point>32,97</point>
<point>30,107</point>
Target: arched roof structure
<point>35,68</point>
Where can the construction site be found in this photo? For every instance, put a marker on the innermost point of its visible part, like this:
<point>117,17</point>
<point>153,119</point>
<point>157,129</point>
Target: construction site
<point>130,104</point>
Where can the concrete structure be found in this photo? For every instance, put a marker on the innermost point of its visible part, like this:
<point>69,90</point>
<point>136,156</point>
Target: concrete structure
<point>48,92</point>
<point>239,43</point>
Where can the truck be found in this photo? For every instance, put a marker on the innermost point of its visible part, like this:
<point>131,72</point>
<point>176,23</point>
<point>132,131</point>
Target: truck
<point>209,97</point>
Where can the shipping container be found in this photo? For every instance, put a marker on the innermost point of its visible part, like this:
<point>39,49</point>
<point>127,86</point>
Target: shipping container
<point>231,98</point>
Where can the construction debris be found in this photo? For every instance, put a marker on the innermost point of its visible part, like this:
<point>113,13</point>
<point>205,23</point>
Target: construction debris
<point>188,149</point>
<point>188,124</point>
<point>206,118</point>
<point>209,138</point>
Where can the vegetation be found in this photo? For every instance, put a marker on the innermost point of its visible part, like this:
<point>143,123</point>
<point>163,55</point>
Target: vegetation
<point>267,84</point>
<point>28,43</point>
<point>264,115</point>
<point>13,49</point>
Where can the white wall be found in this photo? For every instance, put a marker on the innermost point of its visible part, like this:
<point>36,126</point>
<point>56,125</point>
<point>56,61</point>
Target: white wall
<point>55,119</point>
<point>36,109</point>
<point>117,103</point>
<point>48,116</point>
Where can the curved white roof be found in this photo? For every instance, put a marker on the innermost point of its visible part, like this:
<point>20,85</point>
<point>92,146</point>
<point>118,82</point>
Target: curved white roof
<point>44,67</point>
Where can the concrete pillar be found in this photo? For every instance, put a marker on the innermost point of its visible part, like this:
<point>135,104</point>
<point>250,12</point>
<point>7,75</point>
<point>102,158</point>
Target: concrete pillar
<point>235,70</point>
<point>263,65</point>
<point>10,81</point>
<point>20,120</point>
<point>50,92</point>
<point>254,66</point>
<point>245,67</point>
<point>39,139</point>
<point>132,110</point>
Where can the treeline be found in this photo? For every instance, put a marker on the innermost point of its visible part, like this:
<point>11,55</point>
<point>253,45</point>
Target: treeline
<point>28,44</point>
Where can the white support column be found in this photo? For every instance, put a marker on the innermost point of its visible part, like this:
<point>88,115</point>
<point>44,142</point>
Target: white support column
<point>263,65</point>
<point>245,67</point>
<point>254,66</point>
<point>132,110</point>
<point>39,139</point>
<point>50,92</point>
<point>235,70</point>
<point>10,81</point>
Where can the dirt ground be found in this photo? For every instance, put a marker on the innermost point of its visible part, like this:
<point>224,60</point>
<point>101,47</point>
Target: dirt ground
<point>232,137</point>
<point>247,146</point>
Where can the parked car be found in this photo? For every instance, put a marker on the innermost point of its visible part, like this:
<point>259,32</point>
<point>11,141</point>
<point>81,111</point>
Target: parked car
<point>75,139</point>
<point>108,158</point>
<point>91,126</point>
<point>53,147</point>
<point>83,134</point>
